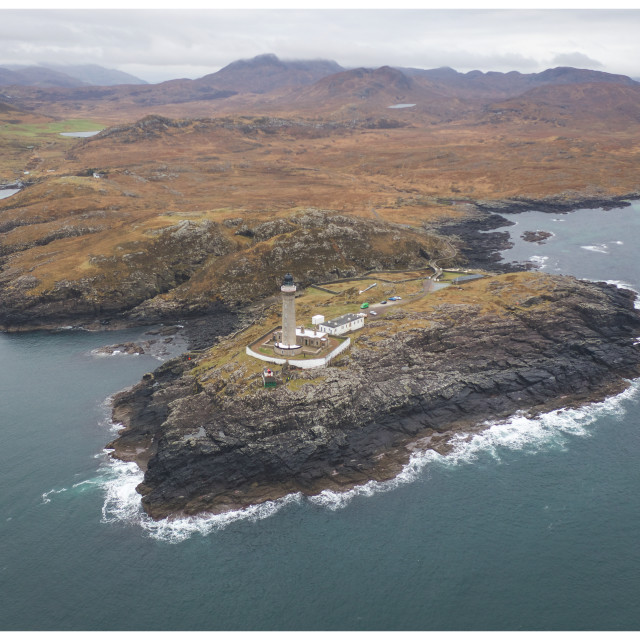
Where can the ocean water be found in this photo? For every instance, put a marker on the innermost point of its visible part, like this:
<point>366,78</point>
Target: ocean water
<point>531,525</point>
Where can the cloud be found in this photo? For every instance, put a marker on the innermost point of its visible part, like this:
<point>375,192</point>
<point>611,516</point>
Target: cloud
<point>162,44</point>
<point>576,59</point>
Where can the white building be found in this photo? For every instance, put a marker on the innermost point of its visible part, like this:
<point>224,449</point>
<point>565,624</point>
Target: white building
<point>343,324</point>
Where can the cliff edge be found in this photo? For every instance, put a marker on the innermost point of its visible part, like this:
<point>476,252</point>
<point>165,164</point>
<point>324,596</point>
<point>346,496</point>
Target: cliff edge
<point>211,439</point>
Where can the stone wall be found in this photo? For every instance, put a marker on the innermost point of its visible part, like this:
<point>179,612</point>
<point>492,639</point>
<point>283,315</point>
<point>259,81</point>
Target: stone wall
<point>309,363</point>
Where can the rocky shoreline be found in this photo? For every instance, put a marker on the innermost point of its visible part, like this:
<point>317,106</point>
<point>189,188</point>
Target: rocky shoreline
<point>204,449</point>
<point>209,444</point>
<point>562,203</point>
<point>482,240</point>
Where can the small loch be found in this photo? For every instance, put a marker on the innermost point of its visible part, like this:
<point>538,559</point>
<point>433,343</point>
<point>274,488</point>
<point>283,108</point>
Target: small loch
<point>80,134</point>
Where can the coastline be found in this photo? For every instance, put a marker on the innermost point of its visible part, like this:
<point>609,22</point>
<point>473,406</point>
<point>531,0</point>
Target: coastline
<point>205,451</point>
<point>379,465</point>
<point>479,231</point>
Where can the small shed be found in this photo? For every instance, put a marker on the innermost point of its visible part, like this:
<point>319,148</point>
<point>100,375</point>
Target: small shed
<point>268,378</point>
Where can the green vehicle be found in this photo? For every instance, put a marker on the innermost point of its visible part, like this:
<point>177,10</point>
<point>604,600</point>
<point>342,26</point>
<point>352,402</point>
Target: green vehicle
<point>364,305</point>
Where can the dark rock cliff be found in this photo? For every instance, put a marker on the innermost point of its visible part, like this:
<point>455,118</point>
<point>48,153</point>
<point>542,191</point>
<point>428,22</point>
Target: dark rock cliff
<point>212,442</point>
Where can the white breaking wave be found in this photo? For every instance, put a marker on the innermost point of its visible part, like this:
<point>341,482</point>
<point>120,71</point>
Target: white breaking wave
<point>539,261</point>
<point>625,285</point>
<point>517,433</point>
<point>122,502</point>
<point>78,487</point>
<point>598,248</point>
<point>96,353</point>
<point>602,247</point>
<point>45,496</point>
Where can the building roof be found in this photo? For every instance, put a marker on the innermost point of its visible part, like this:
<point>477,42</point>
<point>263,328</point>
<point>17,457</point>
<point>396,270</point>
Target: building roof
<point>342,320</point>
<point>309,333</point>
<point>459,279</point>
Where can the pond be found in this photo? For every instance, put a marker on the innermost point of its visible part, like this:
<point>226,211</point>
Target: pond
<point>5,193</point>
<point>80,134</point>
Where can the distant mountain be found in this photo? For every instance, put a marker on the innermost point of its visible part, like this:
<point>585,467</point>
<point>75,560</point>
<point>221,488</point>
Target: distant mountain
<point>64,76</point>
<point>365,83</point>
<point>96,75</point>
<point>267,72</point>
<point>259,75</point>
<point>270,85</point>
<point>37,77</point>
<point>9,77</point>
<point>361,92</point>
<point>493,83</point>
<point>569,75</point>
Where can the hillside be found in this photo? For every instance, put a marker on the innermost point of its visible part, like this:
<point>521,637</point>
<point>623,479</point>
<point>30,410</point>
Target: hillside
<point>37,76</point>
<point>495,84</point>
<point>593,105</point>
<point>316,175</point>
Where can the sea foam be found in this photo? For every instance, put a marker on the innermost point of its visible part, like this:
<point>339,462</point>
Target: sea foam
<point>625,285</point>
<point>122,504</point>
<point>539,261</point>
<point>551,430</point>
<point>533,435</point>
<point>45,496</point>
<point>597,248</point>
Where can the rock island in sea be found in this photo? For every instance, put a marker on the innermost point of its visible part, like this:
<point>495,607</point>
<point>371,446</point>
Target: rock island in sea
<point>211,437</point>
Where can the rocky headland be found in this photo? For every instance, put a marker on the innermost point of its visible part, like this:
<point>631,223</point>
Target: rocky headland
<point>211,439</point>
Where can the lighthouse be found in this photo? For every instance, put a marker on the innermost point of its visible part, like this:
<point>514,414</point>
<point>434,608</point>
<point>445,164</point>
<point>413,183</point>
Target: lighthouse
<point>288,289</point>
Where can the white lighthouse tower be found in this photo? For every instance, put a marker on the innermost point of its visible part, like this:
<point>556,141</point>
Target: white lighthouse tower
<point>286,340</point>
<point>288,289</point>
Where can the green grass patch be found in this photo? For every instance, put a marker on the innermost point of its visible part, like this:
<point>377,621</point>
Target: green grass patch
<point>51,128</point>
<point>448,276</point>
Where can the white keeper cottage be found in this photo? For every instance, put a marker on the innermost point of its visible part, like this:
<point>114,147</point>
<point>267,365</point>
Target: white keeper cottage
<point>343,324</point>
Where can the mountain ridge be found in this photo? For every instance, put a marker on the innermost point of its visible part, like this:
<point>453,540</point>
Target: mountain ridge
<point>56,75</point>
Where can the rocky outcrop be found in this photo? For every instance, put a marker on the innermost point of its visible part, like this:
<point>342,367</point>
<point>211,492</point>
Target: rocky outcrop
<point>211,440</point>
<point>116,284</point>
<point>481,243</point>
<point>538,237</point>
<point>190,267</point>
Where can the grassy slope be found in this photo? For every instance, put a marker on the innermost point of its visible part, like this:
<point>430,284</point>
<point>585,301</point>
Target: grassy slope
<point>223,175</point>
<point>226,369</point>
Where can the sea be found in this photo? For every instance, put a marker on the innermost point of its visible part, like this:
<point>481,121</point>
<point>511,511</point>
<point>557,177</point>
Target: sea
<point>533,524</point>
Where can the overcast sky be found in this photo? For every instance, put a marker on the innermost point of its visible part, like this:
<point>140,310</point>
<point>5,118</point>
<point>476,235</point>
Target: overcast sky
<point>158,45</point>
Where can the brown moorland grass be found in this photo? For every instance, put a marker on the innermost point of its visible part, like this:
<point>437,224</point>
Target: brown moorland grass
<point>159,173</point>
<point>497,295</point>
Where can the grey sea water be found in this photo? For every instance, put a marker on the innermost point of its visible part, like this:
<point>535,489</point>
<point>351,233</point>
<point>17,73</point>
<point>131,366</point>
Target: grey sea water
<point>531,525</point>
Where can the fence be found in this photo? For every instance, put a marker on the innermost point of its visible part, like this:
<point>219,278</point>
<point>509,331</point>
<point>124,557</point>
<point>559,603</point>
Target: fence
<point>311,363</point>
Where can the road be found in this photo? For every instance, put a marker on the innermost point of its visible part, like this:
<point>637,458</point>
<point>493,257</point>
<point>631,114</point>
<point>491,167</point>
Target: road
<point>434,263</point>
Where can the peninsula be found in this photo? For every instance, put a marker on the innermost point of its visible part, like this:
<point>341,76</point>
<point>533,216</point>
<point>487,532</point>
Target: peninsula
<point>196,198</point>
<point>212,437</point>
